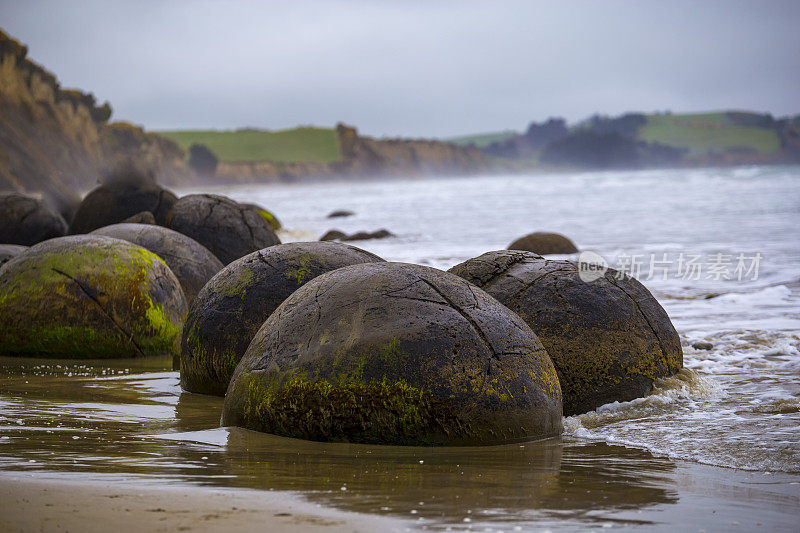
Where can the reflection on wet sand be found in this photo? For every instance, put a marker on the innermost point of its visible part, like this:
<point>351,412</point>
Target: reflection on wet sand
<point>133,422</point>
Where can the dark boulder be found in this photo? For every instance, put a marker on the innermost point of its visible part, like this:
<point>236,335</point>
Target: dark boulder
<point>86,297</point>
<point>235,303</point>
<point>267,215</point>
<point>7,251</point>
<point>189,260</point>
<point>702,345</point>
<point>145,217</point>
<point>25,220</point>
<point>544,244</point>
<point>393,353</point>
<point>227,228</point>
<point>115,201</point>
<point>340,213</point>
<point>609,338</point>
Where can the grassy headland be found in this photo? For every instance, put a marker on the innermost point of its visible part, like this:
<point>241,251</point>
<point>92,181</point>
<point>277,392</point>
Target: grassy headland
<point>304,144</point>
<point>704,133</point>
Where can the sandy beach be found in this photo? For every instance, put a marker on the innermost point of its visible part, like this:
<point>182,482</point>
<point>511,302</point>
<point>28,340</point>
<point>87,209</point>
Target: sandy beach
<point>36,504</point>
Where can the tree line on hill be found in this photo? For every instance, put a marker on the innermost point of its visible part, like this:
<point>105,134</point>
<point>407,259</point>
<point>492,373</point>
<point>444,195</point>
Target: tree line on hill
<point>614,142</point>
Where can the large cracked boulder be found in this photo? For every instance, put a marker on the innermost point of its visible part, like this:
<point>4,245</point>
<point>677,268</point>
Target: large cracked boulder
<point>87,297</point>
<point>116,201</point>
<point>227,228</point>
<point>544,244</point>
<point>609,338</point>
<point>393,353</point>
<point>189,260</point>
<point>235,303</point>
<point>25,220</point>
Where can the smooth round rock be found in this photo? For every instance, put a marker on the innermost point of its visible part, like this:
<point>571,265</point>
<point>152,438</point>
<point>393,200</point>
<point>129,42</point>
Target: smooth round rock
<point>393,353</point>
<point>8,251</point>
<point>228,229</point>
<point>544,244</point>
<point>235,303</point>
<point>609,338</point>
<point>88,297</point>
<point>25,220</point>
<point>113,202</point>
<point>189,260</point>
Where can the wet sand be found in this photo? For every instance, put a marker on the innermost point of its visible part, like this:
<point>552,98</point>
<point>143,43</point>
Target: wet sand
<point>36,504</point>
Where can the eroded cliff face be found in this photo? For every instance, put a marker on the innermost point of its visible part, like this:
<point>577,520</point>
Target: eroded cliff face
<point>365,157</point>
<point>58,142</point>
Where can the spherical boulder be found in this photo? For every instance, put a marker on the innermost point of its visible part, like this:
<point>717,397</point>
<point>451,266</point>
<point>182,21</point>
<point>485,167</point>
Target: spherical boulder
<point>235,303</point>
<point>393,353</point>
<point>25,220</point>
<point>544,244</point>
<point>86,297</point>
<point>267,215</point>
<point>189,260</point>
<point>8,251</point>
<point>228,229</point>
<point>115,201</point>
<point>609,338</point>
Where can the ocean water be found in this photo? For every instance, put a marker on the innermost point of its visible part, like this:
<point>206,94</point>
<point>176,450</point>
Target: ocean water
<point>715,447</point>
<point>735,405</point>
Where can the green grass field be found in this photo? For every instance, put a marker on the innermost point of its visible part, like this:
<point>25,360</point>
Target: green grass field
<point>481,140</point>
<point>707,132</point>
<point>306,144</point>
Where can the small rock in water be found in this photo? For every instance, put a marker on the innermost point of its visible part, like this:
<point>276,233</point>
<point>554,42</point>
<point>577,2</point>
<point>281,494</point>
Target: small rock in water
<point>336,235</point>
<point>341,213</point>
<point>702,345</point>
<point>333,235</point>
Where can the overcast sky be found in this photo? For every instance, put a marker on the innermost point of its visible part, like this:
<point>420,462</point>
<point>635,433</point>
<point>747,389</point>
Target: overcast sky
<point>413,68</point>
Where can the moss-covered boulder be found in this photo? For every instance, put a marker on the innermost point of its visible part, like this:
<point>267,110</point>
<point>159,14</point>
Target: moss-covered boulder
<point>189,260</point>
<point>393,353</point>
<point>87,297</point>
<point>609,338</point>
<point>8,251</point>
<point>25,220</point>
<point>227,228</point>
<point>544,244</point>
<point>116,201</point>
<point>235,303</point>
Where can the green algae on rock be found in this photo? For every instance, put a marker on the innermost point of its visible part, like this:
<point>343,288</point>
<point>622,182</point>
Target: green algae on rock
<point>87,297</point>
<point>190,261</point>
<point>393,353</point>
<point>544,243</point>
<point>609,339</point>
<point>236,302</point>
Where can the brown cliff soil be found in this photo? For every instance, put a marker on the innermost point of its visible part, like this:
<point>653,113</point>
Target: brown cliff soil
<point>58,141</point>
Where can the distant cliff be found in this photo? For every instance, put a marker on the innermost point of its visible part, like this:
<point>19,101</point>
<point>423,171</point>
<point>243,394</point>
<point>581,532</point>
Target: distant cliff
<point>59,142</point>
<point>364,157</point>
